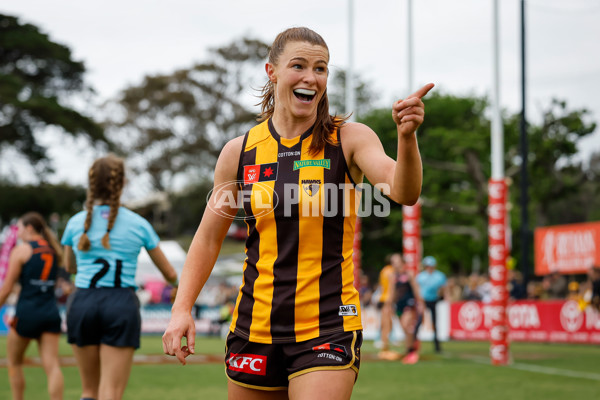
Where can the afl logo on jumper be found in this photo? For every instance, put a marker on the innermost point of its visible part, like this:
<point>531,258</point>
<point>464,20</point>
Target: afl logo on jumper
<point>260,173</point>
<point>311,186</point>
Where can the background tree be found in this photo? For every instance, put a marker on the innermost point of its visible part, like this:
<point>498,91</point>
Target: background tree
<point>174,125</point>
<point>336,91</point>
<point>62,199</point>
<point>37,78</point>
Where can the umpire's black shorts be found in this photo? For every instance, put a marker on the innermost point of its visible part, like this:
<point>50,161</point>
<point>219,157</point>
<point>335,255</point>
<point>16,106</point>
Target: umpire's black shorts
<point>108,316</point>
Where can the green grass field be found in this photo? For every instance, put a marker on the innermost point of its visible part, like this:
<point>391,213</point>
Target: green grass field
<point>463,371</point>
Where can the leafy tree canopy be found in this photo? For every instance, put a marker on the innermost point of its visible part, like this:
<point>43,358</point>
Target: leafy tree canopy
<point>175,124</point>
<point>36,77</point>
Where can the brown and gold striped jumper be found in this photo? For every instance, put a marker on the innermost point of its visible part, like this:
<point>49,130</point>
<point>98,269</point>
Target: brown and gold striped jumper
<point>300,210</point>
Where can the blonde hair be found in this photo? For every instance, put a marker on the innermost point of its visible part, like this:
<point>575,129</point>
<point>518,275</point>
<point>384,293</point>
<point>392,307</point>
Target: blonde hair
<point>325,123</point>
<point>106,180</point>
<point>37,222</point>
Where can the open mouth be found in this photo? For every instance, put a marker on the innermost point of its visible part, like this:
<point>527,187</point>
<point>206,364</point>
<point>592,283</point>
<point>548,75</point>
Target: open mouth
<point>305,95</point>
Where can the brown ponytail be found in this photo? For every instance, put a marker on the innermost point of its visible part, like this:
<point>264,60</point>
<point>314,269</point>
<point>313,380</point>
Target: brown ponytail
<point>37,222</point>
<point>325,124</point>
<point>106,181</point>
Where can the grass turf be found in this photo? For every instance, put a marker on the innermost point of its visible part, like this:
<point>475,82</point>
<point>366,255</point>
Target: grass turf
<point>548,371</point>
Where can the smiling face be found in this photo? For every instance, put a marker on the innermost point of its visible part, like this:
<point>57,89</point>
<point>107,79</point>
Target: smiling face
<point>300,79</point>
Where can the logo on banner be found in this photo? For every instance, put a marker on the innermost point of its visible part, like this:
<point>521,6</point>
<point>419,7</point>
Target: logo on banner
<point>571,318</point>
<point>249,363</point>
<point>469,316</point>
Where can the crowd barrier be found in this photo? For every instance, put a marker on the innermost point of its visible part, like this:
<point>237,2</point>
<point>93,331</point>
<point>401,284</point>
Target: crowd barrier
<point>533,321</point>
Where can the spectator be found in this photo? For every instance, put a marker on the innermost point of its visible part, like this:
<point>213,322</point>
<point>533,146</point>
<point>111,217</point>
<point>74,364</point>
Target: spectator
<point>516,288</point>
<point>365,291</point>
<point>431,281</point>
<point>555,285</point>
<point>484,288</point>
<point>470,292</point>
<point>454,290</point>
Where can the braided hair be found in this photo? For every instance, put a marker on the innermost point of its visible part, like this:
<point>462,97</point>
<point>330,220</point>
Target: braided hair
<point>106,181</point>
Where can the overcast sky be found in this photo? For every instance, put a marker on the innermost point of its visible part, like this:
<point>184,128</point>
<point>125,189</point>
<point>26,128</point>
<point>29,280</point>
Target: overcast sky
<point>121,41</point>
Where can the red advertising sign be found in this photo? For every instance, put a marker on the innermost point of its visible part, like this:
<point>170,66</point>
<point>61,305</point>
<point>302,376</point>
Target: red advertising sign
<point>497,251</point>
<point>568,249</point>
<point>528,321</point>
<point>411,236</point>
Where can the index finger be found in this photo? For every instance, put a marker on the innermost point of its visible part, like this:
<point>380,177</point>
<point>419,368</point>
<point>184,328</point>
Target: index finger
<point>422,92</point>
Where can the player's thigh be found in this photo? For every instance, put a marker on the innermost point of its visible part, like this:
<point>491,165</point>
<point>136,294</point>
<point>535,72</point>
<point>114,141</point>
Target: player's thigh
<point>48,347</point>
<point>16,346</point>
<point>323,385</point>
<point>237,392</point>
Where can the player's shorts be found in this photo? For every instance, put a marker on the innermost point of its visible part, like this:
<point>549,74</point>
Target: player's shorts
<point>108,316</point>
<point>271,366</point>
<point>405,304</point>
<point>32,321</point>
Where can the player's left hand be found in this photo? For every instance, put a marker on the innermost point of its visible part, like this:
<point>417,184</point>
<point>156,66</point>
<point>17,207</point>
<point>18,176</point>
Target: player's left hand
<point>409,113</point>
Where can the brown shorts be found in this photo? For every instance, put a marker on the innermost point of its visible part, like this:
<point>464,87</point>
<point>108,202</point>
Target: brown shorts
<point>271,366</point>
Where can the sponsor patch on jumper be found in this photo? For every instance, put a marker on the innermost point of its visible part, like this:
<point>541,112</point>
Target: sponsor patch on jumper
<point>348,310</point>
<point>249,363</point>
<point>260,173</point>
<point>324,163</point>
<point>288,154</point>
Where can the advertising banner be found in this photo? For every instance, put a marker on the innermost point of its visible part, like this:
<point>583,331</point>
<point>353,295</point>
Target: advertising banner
<point>528,321</point>
<point>568,249</point>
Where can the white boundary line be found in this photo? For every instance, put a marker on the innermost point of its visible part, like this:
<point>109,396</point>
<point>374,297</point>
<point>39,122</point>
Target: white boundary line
<point>536,368</point>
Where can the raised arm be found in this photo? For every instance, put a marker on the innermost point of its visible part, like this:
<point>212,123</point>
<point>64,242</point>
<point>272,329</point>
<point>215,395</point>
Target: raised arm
<point>203,253</point>
<point>367,157</point>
